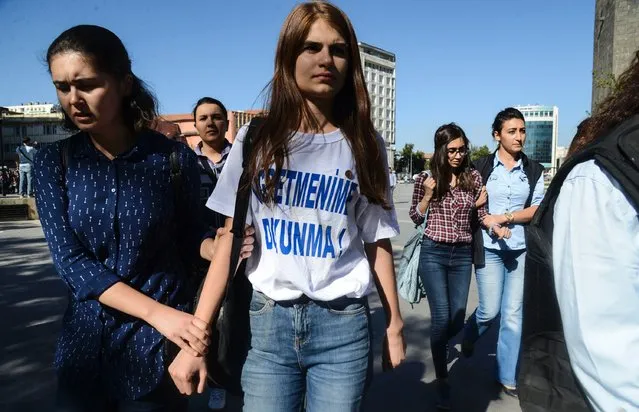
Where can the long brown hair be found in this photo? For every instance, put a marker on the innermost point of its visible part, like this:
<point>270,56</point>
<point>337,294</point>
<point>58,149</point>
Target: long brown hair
<point>615,109</point>
<point>287,108</point>
<point>441,169</point>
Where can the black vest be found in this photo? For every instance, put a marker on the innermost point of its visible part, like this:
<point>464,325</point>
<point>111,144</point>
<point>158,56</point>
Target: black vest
<point>485,166</point>
<point>546,379</point>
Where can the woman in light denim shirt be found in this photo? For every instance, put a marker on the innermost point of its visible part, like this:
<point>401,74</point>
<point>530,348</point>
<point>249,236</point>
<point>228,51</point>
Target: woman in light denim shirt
<point>512,201</point>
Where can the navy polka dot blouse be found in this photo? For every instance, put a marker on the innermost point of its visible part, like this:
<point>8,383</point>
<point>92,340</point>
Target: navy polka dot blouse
<point>119,220</point>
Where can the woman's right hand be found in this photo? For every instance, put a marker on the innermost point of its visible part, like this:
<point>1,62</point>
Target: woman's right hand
<point>191,334</point>
<point>429,187</point>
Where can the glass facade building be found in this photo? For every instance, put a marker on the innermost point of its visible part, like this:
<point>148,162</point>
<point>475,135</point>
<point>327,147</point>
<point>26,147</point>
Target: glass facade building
<point>541,134</point>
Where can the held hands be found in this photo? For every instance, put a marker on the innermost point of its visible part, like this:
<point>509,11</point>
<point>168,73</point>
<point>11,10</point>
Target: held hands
<point>501,232</point>
<point>191,334</point>
<point>189,373</point>
<point>247,244</point>
<point>429,187</point>
<point>394,349</point>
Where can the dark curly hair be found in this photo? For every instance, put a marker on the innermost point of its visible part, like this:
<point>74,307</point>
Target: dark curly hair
<point>615,109</point>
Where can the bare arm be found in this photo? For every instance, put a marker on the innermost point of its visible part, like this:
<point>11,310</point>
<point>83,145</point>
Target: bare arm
<point>172,323</point>
<point>380,256</point>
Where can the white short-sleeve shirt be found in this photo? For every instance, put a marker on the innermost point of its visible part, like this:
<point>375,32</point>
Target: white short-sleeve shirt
<point>311,241</point>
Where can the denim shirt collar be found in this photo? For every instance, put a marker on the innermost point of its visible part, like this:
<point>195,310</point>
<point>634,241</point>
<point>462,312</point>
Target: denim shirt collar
<point>497,162</point>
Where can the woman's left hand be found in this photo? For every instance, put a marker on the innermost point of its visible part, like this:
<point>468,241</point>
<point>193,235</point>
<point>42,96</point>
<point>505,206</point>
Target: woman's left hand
<point>189,373</point>
<point>247,244</point>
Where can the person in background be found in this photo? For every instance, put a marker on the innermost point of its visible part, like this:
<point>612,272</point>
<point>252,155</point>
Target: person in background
<point>515,188</point>
<point>447,200</point>
<point>392,179</point>
<point>26,155</point>
<point>211,122</point>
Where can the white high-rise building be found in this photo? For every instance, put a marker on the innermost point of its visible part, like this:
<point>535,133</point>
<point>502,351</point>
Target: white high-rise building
<point>379,72</point>
<point>542,126</point>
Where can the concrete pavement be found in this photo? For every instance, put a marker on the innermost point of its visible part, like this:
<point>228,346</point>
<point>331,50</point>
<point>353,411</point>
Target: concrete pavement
<point>32,301</point>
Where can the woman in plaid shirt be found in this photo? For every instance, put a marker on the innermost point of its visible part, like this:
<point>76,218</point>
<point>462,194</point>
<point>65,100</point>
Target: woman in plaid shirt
<point>447,200</point>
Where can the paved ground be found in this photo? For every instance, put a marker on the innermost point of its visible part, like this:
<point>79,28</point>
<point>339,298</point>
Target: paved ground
<point>32,300</point>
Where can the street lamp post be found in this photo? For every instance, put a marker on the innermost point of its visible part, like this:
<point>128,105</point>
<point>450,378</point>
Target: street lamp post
<point>411,166</point>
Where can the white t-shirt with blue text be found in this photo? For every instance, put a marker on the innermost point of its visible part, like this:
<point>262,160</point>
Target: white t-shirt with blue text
<point>311,241</point>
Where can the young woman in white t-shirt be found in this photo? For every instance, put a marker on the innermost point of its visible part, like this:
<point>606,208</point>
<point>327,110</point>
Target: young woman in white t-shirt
<point>323,218</point>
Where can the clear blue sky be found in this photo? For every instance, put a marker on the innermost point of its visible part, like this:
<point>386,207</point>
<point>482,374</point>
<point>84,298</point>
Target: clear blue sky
<point>457,60</point>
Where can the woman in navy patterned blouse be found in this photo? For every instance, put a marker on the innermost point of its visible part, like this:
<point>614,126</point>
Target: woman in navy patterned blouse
<point>119,235</point>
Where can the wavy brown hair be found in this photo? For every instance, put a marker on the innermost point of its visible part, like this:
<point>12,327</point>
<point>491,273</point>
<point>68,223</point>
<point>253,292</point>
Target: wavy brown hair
<point>287,108</point>
<point>615,109</point>
<point>441,169</point>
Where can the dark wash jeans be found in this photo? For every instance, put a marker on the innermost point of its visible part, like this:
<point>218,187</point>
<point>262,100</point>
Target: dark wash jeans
<point>445,270</point>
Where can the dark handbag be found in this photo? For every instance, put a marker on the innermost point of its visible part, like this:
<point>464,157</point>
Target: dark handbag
<point>231,337</point>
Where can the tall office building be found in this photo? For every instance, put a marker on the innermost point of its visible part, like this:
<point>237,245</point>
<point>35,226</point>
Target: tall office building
<point>542,124</point>
<point>616,40</point>
<point>379,72</point>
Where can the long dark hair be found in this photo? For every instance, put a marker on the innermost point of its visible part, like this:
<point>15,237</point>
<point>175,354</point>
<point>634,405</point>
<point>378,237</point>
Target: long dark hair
<point>287,108</point>
<point>441,169</point>
<point>108,55</point>
<point>615,109</point>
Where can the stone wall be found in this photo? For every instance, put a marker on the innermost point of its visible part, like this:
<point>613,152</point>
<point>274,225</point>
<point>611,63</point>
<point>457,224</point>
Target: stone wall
<point>616,40</point>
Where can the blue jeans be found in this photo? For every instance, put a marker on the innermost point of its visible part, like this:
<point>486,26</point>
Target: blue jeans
<point>445,270</point>
<point>307,352</point>
<point>26,176</point>
<point>501,289</point>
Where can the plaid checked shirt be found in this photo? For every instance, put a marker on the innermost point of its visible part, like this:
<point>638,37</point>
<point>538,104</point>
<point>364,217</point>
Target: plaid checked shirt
<point>449,219</point>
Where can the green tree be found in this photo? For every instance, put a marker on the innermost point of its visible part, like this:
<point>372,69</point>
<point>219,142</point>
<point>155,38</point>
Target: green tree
<point>419,163</point>
<point>479,152</point>
<point>410,161</point>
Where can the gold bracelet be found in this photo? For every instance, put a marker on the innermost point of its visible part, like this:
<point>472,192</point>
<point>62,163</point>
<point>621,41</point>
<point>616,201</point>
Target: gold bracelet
<point>509,217</point>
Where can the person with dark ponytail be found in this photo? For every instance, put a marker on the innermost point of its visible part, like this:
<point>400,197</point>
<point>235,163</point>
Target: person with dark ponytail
<point>515,186</point>
<point>447,201</point>
<point>122,232</point>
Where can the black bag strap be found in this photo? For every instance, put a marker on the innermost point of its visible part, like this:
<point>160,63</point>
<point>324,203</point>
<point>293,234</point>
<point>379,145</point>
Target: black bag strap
<point>29,159</point>
<point>204,162</point>
<point>243,198</point>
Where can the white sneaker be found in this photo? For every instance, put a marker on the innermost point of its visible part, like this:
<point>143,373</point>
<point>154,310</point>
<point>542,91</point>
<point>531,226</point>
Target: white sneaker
<point>217,398</point>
